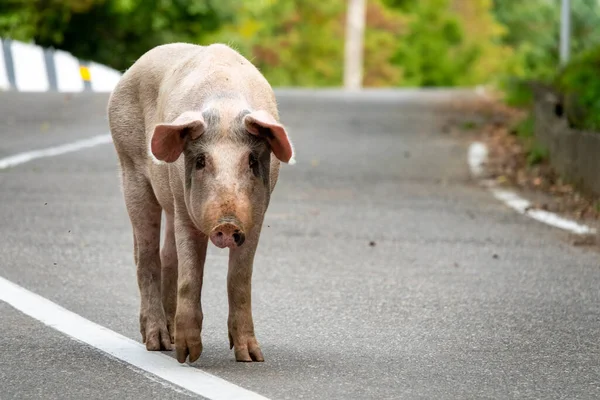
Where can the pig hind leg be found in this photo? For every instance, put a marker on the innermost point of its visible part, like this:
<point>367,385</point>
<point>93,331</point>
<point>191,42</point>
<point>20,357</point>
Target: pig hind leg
<point>168,260</point>
<point>145,214</point>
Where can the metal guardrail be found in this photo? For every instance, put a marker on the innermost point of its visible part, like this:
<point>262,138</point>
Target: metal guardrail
<point>27,67</point>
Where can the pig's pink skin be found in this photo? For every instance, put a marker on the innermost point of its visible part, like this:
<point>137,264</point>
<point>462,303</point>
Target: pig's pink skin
<point>197,134</point>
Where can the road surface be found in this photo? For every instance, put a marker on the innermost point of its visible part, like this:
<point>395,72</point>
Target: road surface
<point>384,271</point>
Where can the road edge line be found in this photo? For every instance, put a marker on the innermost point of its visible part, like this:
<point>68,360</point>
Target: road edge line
<point>122,348</point>
<point>477,158</point>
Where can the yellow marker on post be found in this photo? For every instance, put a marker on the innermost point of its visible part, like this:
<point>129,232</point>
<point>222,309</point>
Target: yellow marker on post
<point>85,73</point>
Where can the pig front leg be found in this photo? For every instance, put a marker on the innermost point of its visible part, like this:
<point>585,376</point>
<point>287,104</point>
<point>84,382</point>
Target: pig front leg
<point>191,253</point>
<point>239,287</point>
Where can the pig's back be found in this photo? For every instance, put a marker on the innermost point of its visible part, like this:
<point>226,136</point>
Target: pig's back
<point>132,106</point>
<point>215,71</point>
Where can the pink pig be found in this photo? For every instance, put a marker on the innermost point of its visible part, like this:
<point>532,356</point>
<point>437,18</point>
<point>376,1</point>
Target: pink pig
<point>197,133</point>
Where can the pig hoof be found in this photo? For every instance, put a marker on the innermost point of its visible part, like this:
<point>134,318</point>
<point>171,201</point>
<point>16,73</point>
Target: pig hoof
<point>249,355</point>
<point>246,350</point>
<point>158,339</point>
<point>187,337</point>
<point>155,335</point>
<point>191,347</point>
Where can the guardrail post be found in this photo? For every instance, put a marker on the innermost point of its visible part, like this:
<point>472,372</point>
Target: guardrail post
<point>8,60</point>
<point>51,69</point>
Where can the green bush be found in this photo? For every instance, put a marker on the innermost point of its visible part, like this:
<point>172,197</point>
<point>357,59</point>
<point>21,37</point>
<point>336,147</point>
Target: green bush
<point>525,128</point>
<point>579,83</point>
<point>517,93</point>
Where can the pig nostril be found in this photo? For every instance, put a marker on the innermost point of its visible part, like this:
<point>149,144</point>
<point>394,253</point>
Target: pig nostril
<point>239,238</point>
<point>220,234</point>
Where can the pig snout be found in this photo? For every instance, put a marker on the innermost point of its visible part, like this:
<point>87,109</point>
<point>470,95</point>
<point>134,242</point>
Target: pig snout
<point>227,235</point>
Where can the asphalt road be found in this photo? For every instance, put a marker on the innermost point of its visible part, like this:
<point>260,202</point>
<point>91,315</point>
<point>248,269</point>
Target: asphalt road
<point>384,271</point>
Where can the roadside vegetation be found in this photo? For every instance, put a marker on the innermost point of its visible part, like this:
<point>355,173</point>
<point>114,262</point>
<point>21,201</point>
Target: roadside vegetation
<point>501,43</point>
<point>295,43</point>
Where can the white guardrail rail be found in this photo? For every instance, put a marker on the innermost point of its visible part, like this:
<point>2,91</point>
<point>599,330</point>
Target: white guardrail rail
<point>26,67</point>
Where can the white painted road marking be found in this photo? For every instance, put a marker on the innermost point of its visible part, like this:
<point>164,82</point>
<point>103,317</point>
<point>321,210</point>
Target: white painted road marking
<point>477,157</point>
<point>118,346</point>
<point>27,156</point>
<point>478,154</point>
<point>121,347</point>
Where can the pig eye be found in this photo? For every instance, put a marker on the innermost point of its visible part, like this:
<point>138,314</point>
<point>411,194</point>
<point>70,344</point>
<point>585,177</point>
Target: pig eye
<point>200,161</point>
<point>252,160</point>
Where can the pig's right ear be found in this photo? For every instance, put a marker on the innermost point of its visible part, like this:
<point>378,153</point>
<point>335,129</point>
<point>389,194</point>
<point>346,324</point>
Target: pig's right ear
<point>168,140</point>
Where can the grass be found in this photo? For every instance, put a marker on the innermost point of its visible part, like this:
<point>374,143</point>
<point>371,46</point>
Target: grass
<point>525,128</point>
<point>525,131</point>
<point>518,95</point>
<point>537,154</point>
<point>468,125</point>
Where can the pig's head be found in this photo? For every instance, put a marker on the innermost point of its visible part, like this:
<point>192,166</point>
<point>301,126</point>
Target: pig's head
<point>227,159</point>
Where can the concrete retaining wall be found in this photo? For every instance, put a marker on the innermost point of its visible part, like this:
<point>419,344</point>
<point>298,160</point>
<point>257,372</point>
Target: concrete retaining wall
<point>574,154</point>
<point>26,67</point>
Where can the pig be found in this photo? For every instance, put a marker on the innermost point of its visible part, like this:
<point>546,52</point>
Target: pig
<point>197,134</point>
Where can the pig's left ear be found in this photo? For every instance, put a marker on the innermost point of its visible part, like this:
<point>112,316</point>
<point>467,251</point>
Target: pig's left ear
<point>262,124</point>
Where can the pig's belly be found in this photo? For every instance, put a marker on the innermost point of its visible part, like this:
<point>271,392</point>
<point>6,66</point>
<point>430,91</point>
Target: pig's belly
<point>162,189</point>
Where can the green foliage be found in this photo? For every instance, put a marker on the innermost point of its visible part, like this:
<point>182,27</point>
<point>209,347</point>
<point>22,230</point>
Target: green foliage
<point>113,32</point>
<point>533,31</point>
<point>448,43</point>
<point>537,154</point>
<point>26,19</point>
<point>293,43</point>
<point>525,128</point>
<point>432,40</point>
<point>301,43</point>
<point>579,82</point>
<point>518,94</point>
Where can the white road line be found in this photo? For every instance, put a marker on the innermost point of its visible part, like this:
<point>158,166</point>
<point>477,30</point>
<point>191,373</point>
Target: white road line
<point>478,154</point>
<point>121,347</point>
<point>150,364</point>
<point>27,156</point>
<point>477,158</point>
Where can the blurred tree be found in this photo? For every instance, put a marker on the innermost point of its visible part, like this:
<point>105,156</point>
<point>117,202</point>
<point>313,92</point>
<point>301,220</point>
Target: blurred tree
<point>482,34</point>
<point>533,28</point>
<point>294,43</point>
<point>113,32</point>
<point>300,43</point>
<point>26,19</point>
<point>449,43</point>
<point>385,27</point>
